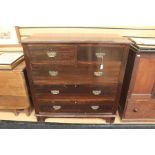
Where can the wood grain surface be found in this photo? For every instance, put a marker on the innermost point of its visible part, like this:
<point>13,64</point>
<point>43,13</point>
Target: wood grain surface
<point>93,62</point>
<point>138,101</point>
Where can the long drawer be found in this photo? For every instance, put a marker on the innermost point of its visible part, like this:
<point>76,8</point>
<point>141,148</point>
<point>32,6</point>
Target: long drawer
<point>65,91</point>
<point>53,54</point>
<point>70,107</point>
<point>81,74</point>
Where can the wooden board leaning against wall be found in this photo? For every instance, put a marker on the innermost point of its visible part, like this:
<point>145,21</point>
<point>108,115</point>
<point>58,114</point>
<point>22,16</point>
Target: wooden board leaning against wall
<point>128,31</point>
<point>142,32</point>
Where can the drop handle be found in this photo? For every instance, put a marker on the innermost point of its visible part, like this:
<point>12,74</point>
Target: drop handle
<point>96,92</point>
<point>55,92</point>
<point>53,73</point>
<point>100,54</point>
<point>95,107</point>
<point>98,74</point>
<point>56,107</point>
<point>51,54</point>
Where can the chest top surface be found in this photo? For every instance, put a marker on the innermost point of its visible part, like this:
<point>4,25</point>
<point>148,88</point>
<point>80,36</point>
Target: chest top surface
<point>76,38</point>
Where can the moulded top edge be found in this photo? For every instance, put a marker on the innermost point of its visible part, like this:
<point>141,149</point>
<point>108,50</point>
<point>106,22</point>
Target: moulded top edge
<point>76,38</point>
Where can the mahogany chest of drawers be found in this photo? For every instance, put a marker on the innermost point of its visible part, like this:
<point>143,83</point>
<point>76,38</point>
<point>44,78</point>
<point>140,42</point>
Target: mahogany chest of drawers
<point>76,75</point>
<point>137,101</point>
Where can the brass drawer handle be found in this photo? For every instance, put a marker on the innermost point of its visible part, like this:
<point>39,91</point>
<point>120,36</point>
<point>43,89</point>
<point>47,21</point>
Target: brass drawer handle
<point>100,55</point>
<point>53,73</point>
<point>99,73</point>
<point>55,92</point>
<point>51,54</point>
<point>95,107</point>
<point>56,107</point>
<point>96,92</point>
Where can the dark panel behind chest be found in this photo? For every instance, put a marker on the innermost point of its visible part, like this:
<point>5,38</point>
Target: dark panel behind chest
<point>137,98</point>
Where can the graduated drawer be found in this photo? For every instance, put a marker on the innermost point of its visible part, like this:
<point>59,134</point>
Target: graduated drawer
<point>70,107</point>
<point>53,54</point>
<point>75,91</point>
<point>81,74</point>
<point>100,53</point>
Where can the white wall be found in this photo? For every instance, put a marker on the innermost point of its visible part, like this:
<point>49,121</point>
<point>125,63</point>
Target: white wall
<point>77,13</point>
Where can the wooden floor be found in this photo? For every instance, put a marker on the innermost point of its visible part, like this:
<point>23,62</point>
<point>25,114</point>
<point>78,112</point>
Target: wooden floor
<point>32,118</point>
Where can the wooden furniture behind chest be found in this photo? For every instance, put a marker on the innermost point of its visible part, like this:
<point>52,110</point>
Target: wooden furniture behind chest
<point>14,94</point>
<point>75,75</point>
<point>138,94</point>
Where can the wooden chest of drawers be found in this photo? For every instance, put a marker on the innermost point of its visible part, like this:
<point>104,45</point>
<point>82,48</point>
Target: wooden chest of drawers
<point>14,94</point>
<point>75,75</point>
<point>138,94</point>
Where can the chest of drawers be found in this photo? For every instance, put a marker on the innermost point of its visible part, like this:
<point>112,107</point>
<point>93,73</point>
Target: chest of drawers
<point>137,101</point>
<point>14,90</point>
<point>75,75</point>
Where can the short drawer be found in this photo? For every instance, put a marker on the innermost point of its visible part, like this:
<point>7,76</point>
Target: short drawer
<point>140,109</point>
<point>100,53</point>
<point>81,74</point>
<point>90,91</point>
<point>53,54</point>
<point>71,107</point>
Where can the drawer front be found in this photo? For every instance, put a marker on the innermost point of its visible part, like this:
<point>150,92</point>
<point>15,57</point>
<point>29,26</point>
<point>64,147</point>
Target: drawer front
<point>140,109</point>
<point>82,74</point>
<point>82,91</point>
<point>100,53</point>
<point>14,102</point>
<point>70,107</point>
<point>52,54</point>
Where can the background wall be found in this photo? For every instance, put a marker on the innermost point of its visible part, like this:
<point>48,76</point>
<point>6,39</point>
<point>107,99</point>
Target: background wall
<point>77,12</point>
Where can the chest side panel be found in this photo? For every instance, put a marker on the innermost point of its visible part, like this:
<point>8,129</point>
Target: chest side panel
<point>145,75</point>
